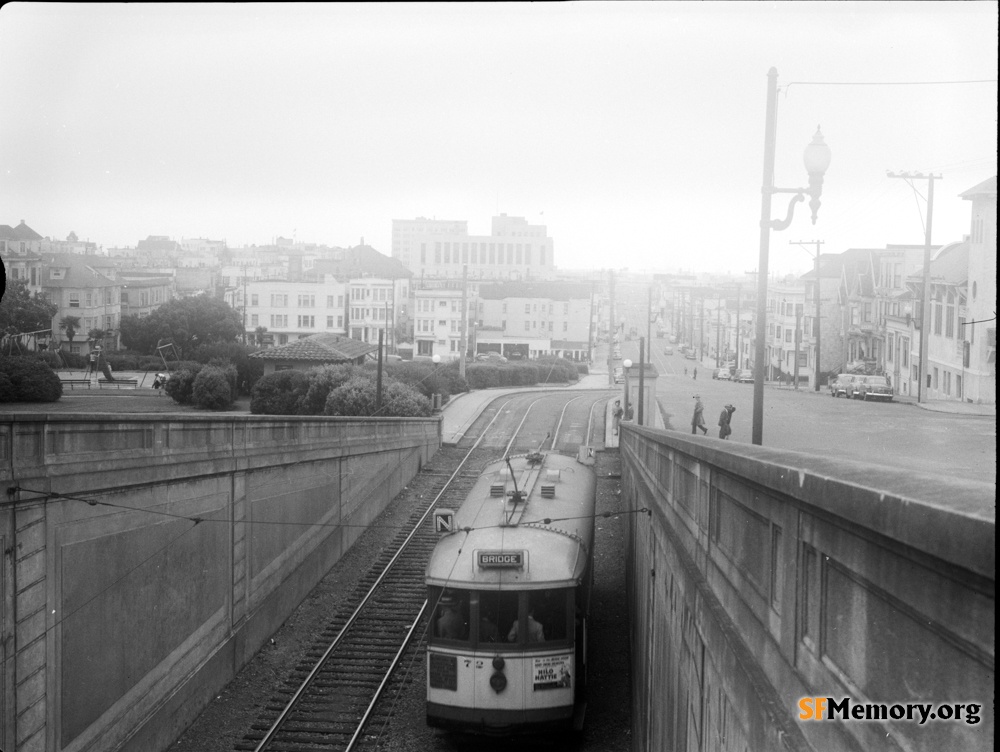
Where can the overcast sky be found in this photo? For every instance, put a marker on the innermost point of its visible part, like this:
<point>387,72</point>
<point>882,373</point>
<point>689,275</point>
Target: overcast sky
<point>634,131</point>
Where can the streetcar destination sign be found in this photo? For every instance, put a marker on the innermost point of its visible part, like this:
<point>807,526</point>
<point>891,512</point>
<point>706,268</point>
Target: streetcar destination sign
<point>500,559</point>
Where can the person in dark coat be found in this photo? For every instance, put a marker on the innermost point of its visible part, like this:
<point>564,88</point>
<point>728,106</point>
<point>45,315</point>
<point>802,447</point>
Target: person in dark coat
<point>698,419</point>
<point>724,420</point>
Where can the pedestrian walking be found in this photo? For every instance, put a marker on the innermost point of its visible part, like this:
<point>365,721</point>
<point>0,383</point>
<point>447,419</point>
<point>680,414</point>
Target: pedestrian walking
<point>696,373</point>
<point>725,418</point>
<point>698,419</point>
<point>616,416</point>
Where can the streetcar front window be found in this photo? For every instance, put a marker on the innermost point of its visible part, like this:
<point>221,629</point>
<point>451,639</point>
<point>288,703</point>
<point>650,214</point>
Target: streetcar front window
<point>548,609</point>
<point>497,614</point>
<point>451,614</point>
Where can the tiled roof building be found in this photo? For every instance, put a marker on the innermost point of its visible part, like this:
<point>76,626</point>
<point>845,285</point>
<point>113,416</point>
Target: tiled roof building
<point>317,350</point>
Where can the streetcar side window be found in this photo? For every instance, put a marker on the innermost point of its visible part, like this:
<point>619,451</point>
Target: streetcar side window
<point>497,614</point>
<point>451,614</point>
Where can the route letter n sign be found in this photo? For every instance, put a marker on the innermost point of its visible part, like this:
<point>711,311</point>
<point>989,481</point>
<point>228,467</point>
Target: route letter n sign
<point>444,520</point>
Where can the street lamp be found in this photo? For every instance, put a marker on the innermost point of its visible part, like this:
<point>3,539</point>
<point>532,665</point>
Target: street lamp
<point>817,160</point>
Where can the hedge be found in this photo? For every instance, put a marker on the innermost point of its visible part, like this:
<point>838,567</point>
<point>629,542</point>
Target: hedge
<point>358,397</point>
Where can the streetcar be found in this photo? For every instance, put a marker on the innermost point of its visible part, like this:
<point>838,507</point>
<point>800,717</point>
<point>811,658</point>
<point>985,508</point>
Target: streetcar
<point>509,588</point>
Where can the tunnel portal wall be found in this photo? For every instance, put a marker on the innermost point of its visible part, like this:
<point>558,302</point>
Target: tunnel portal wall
<point>760,577</point>
<point>146,561</point>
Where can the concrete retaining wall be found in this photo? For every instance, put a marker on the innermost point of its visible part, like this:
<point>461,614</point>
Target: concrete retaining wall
<point>761,577</point>
<point>122,619</point>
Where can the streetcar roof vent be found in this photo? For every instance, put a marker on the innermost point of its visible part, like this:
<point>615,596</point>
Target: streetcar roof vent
<point>496,489</point>
<point>552,476</point>
<point>548,490</point>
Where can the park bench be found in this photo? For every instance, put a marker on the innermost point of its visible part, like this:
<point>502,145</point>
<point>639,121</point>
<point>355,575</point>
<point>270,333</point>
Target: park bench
<point>74,383</point>
<point>118,383</point>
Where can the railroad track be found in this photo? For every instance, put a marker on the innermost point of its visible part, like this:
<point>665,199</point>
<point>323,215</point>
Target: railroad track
<point>326,701</point>
<point>331,696</point>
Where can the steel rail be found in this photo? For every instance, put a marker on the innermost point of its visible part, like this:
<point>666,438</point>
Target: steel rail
<point>385,680</point>
<point>555,433</point>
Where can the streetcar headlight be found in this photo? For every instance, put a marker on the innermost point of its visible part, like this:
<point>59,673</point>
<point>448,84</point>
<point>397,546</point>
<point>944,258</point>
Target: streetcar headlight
<point>499,663</point>
<point>498,682</point>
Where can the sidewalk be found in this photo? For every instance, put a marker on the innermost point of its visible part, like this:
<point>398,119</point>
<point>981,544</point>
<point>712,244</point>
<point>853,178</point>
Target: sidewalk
<point>950,406</point>
<point>463,409</point>
<point>954,407</point>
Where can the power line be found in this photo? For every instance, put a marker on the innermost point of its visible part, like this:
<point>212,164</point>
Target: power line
<point>890,83</point>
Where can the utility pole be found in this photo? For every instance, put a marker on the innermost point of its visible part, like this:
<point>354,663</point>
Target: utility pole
<point>798,338</point>
<point>925,306</point>
<point>611,328</point>
<point>642,373</point>
<point>649,317</point>
<point>590,328</point>
<point>737,328</point>
<point>818,322</point>
<point>465,320</point>
<point>718,332</point>
<point>244,305</point>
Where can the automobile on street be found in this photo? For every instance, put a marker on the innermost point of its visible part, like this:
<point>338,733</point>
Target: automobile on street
<point>839,384</point>
<point>872,387</point>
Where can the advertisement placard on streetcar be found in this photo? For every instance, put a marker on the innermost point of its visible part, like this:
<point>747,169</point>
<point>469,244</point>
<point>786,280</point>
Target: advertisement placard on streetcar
<point>551,672</point>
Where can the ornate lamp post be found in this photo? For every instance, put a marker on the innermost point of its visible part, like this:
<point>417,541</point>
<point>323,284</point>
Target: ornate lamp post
<point>626,364</point>
<point>817,159</point>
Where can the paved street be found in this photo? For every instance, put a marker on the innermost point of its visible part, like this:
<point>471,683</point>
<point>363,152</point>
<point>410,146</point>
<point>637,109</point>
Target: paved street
<point>896,433</point>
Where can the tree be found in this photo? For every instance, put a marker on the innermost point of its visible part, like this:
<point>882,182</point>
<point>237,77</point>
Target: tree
<point>70,325</point>
<point>97,335</point>
<point>260,331</point>
<point>21,311</point>
<point>187,322</point>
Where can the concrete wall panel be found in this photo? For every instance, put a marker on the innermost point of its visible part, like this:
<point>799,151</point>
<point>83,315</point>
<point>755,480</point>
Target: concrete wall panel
<point>760,577</point>
<point>145,561</point>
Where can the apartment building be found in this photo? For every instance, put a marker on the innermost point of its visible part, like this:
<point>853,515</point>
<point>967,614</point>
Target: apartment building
<point>438,319</point>
<point>531,320</point>
<point>290,311</point>
<point>980,330</point>
<point>377,304</point>
<point>514,249</point>
<point>786,355</point>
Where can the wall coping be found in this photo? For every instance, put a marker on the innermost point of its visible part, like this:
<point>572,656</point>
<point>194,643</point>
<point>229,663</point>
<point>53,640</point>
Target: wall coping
<point>902,505</point>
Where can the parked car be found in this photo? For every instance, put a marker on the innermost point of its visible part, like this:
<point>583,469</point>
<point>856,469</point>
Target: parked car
<point>690,355</point>
<point>872,387</point>
<point>744,376</point>
<point>491,357</point>
<point>839,384</point>
<point>668,350</point>
<point>722,374</point>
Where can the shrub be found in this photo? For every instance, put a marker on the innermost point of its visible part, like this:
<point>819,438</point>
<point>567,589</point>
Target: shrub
<point>248,369</point>
<point>31,380</point>
<point>358,397</point>
<point>50,358</point>
<point>72,360</point>
<point>123,361</point>
<point>7,391</point>
<point>428,378</point>
<point>279,393</point>
<point>482,376</point>
<point>322,381</point>
<point>213,388</point>
<point>552,370</point>
<point>181,383</point>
